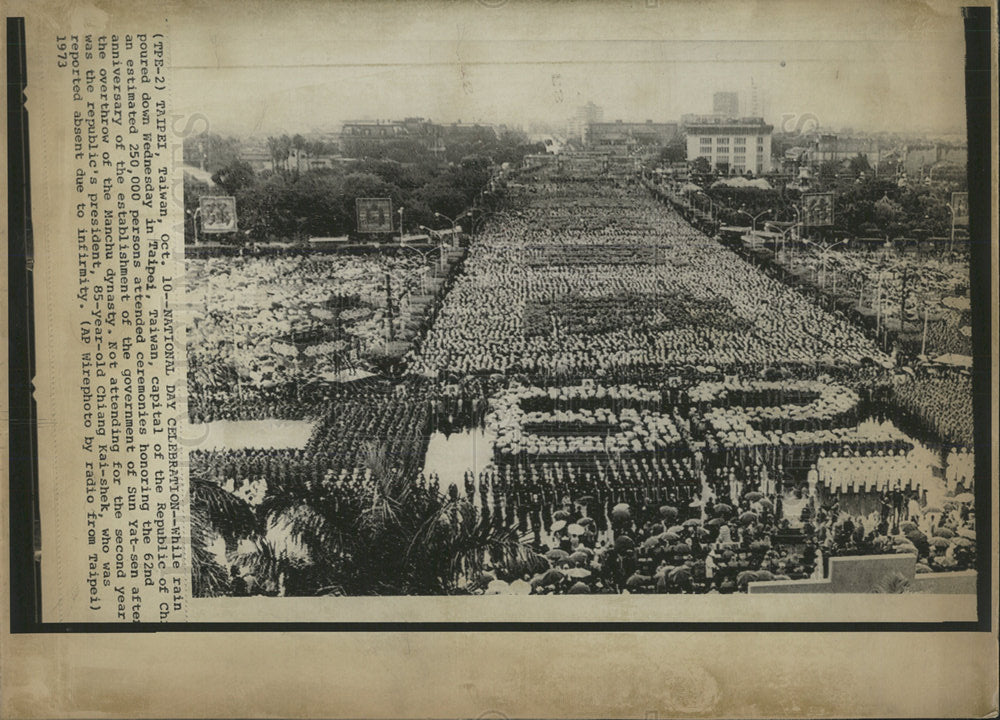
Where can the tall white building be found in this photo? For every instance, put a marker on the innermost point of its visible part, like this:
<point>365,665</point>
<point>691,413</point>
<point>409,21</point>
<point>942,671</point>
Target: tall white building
<point>755,101</point>
<point>585,115</point>
<point>731,146</point>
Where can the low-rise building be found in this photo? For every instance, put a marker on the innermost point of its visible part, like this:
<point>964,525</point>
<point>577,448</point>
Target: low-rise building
<point>731,145</point>
<point>623,138</point>
<point>356,135</point>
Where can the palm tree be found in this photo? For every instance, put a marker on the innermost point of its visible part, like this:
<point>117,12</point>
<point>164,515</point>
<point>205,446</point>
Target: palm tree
<point>895,584</point>
<point>308,537</point>
<point>219,520</point>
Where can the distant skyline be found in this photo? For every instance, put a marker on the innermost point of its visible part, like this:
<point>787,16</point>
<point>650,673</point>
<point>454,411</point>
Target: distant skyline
<point>292,67</point>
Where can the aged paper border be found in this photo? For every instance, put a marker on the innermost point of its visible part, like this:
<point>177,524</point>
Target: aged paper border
<point>497,674</point>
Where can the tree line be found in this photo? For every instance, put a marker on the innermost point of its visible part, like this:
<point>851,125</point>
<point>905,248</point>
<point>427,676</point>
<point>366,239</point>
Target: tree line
<point>285,203</point>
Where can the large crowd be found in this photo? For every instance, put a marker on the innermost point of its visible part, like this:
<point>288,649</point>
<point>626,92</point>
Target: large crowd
<point>481,327</point>
<point>719,536</point>
<point>258,323</point>
<point>663,416</point>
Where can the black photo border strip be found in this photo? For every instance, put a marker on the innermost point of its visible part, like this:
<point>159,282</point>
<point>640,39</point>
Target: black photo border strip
<point>25,576</point>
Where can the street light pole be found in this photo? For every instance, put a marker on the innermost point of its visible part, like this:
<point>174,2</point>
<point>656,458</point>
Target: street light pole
<point>951,242</point>
<point>824,253</point>
<point>784,234</point>
<point>753,218</point>
<point>923,343</point>
<point>454,225</point>
<point>400,211</point>
<point>440,245</point>
<point>197,211</point>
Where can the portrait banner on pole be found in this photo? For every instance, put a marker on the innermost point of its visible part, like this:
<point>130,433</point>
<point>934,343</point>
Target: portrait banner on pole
<point>218,213</point>
<point>817,209</point>
<point>374,215</point>
<point>960,207</point>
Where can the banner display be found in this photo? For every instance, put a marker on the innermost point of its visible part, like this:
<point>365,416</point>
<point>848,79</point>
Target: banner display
<point>817,209</point>
<point>374,215</point>
<point>960,208</point>
<point>218,213</point>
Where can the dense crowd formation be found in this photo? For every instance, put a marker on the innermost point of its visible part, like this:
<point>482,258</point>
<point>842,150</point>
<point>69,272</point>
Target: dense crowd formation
<point>718,538</point>
<point>261,322</point>
<point>661,415</point>
<point>492,318</point>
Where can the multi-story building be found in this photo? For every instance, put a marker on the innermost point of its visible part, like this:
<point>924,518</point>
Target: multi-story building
<point>623,138</point>
<point>919,160</point>
<point>357,134</point>
<point>756,101</point>
<point>726,104</point>
<point>585,115</point>
<point>828,147</point>
<point>731,145</point>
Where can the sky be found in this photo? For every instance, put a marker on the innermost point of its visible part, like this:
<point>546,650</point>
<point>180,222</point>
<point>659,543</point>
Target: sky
<point>265,68</point>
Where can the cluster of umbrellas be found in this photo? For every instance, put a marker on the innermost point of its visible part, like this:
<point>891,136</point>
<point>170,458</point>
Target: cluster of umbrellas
<point>580,570</point>
<point>942,542</point>
<point>733,428</point>
<point>246,308</point>
<point>628,429</point>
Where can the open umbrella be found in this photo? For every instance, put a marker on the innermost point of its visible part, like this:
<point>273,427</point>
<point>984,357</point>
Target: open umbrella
<point>579,588</point>
<point>575,529</point>
<point>722,509</point>
<point>692,522</point>
<point>679,575</point>
<point>748,517</point>
<point>623,543</point>
<point>520,587</point>
<point>940,543</point>
<point>943,532</point>
<point>560,515</point>
<point>716,521</point>
<point>651,542</point>
<point>668,511</point>
<point>907,527</point>
<point>557,526</point>
<point>964,498</point>
<point>637,581</point>
<point>585,522</point>
<point>497,587</point>
<point>550,577</point>
<point>579,558</point>
<point>676,529</point>
<point>557,555</point>
<point>578,573</point>
<point>967,533</point>
<point>621,512</point>
<point>753,496</point>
